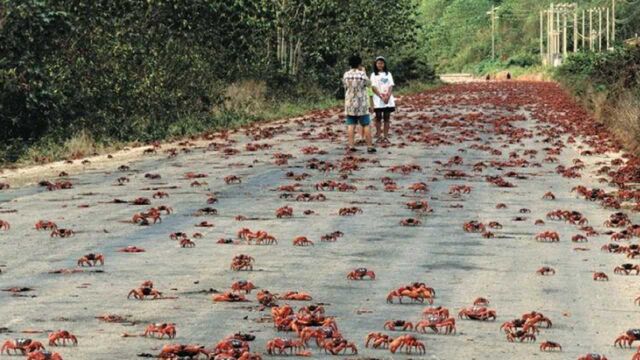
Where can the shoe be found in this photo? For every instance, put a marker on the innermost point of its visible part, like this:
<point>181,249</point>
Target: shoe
<point>352,149</point>
<point>371,150</point>
<point>361,142</point>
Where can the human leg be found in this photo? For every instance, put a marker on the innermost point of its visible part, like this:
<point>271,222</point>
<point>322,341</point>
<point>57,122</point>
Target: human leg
<point>387,121</point>
<point>351,129</point>
<point>378,123</point>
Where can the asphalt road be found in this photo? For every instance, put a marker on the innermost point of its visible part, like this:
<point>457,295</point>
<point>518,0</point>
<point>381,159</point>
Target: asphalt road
<point>510,127</point>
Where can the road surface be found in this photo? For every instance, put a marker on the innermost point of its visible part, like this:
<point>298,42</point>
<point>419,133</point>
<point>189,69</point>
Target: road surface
<point>519,131</point>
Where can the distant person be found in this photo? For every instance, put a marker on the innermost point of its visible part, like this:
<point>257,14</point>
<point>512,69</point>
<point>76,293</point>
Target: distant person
<point>383,101</point>
<point>356,102</point>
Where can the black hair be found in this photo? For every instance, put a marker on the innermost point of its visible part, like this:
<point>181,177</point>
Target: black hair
<point>375,68</point>
<point>355,61</point>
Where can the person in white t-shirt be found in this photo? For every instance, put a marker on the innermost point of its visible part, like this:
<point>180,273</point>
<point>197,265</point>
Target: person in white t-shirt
<point>383,101</point>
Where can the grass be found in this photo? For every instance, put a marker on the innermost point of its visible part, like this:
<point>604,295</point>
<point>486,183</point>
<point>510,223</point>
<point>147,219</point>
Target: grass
<point>245,103</point>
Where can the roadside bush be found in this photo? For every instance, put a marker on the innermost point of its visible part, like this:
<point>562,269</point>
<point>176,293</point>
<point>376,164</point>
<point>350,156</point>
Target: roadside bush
<point>609,85</point>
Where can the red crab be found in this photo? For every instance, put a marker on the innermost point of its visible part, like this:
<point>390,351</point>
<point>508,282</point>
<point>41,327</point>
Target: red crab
<point>349,211</point>
<point>63,233</point>
<point>521,335</point>
<point>410,222</point>
<point>131,249</point>
<point>297,296</point>
<point>191,175</point>
<point>146,289</point>
<point>310,197</point>
<point>326,185</point>
<point>302,241</point>
<point>45,225</point>
<point>144,217</point>
<point>285,211</point>
<point>550,345</point>
<point>187,243</point>
<point>335,346</point>
<point>360,273</point>
<point>290,188</point>
<point>177,351</point>
<point>141,201</point>
<point>459,189</point>
<point>408,341</point>
<point>434,322</point>
<point>627,338</point>
<point>419,187</point>
<point>163,329</point>
<point>600,276</point>
<point>420,206</point>
<point>242,285</point>
<point>266,298</point>
<point>229,297</point>
<point>204,224</point>
<point>548,236</point>
<point>626,269</point>
<point>24,345</point>
<point>91,259</point>
<point>549,196</point>
<point>342,187</point>
<point>593,356</point>
<point>477,313</point>
<point>545,270</point>
<point>332,236</point>
<point>160,195</point>
<point>380,340</point>
<point>415,293</point>
<point>473,226</point>
<point>242,262</point>
<point>232,179</point>
<point>282,345</point>
<point>438,311</point>
<point>579,238</point>
<point>177,235</point>
<point>43,355</point>
<point>63,335</point>
<point>321,334</point>
<point>4,225</point>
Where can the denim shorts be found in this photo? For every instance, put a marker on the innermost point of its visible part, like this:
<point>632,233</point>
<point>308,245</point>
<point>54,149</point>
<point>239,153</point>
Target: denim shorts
<point>363,120</point>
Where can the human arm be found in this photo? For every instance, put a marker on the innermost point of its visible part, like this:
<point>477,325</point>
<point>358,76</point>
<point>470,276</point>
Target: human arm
<point>389,92</point>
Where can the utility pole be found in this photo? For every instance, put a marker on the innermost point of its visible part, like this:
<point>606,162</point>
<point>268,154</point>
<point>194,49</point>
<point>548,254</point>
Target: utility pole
<point>557,33</point>
<point>591,29</point>
<point>607,35</point>
<point>613,22</point>
<point>583,28</point>
<point>575,28</point>
<point>549,27</point>
<point>564,35</point>
<point>541,35</point>
<point>493,14</point>
<point>599,29</point>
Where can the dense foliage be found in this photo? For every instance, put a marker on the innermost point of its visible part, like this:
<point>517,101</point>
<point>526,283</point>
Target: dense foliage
<point>608,84</point>
<point>457,33</point>
<point>614,71</point>
<point>141,70</point>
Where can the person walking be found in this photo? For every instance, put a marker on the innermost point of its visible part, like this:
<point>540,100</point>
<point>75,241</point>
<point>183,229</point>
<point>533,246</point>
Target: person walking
<point>383,101</point>
<point>356,102</point>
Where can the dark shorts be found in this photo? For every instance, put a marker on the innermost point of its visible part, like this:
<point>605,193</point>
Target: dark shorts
<point>363,120</point>
<point>384,112</point>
